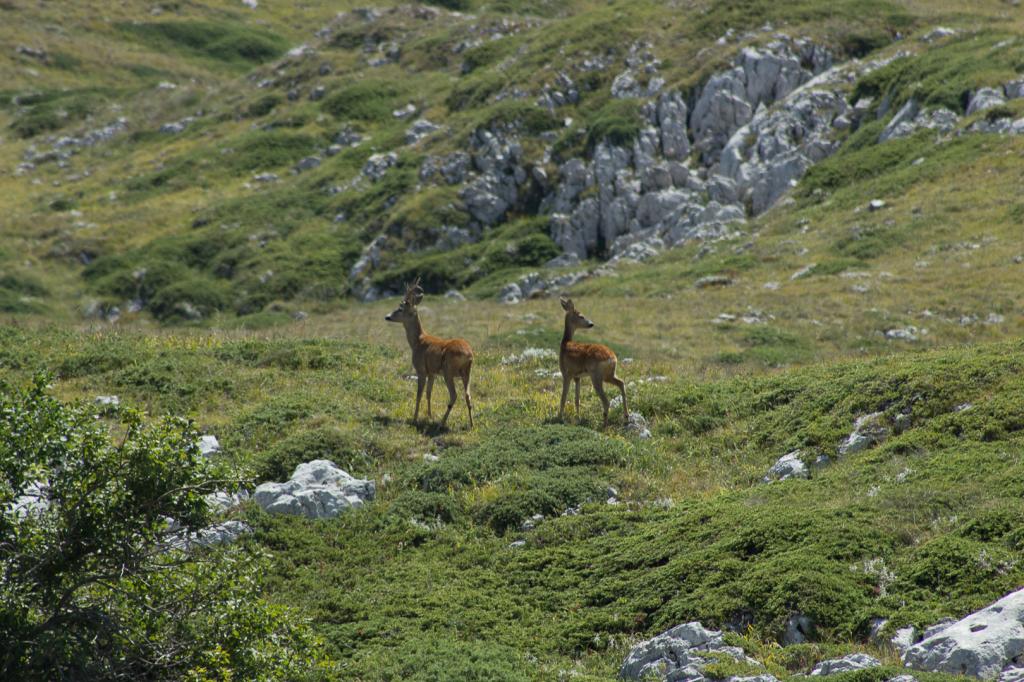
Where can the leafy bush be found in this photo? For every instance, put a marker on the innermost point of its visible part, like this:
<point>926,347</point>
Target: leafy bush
<point>617,122</point>
<point>91,589</point>
<point>365,100</point>
<point>323,443</point>
<point>228,42</point>
<point>51,110</point>
<point>263,106</point>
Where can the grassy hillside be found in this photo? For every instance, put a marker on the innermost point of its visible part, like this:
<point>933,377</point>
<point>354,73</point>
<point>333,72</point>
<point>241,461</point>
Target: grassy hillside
<point>178,222</point>
<point>228,259</point>
<point>425,582</point>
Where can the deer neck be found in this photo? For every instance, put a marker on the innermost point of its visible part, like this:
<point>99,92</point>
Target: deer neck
<point>567,335</point>
<point>414,331</point>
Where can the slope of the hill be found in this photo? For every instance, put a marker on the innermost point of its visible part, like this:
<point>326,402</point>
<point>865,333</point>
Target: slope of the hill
<point>634,536</point>
<point>186,161</point>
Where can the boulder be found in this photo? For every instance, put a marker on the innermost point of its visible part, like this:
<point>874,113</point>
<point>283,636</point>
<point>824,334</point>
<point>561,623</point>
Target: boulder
<point>316,490</point>
<point>903,639</point>
<point>308,163</point>
<point>868,430</point>
<point>223,533</point>
<point>845,664</point>
<point>678,654</point>
<point>788,466</point>
<point>985,644</point>
<point>799,629</point>
<point>985,98</point>
<point>671,119</point>
<point>208,445</point>
<point>938,33</point>
<point>637,426</point>
<point>486,199</point>
<point>420,128</point>
<point>378,164</point>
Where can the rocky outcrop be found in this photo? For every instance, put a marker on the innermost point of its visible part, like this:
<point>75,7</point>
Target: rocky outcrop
<point>317,490</point>
<point>497,157</point>
<point>679,654</point>
<point>987,644</point>
<point>788,466</point>
<point>868,430</point>
<point>985,98</point>
<point>378,164</point>
<point>845,664</point>
<point>223,533</point>
<point>766,157</point>
<point>420,129</point>
<point>760,76</point>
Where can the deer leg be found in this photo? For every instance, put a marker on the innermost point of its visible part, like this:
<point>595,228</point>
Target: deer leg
<point>599,389</point>
<point>430,388</point>
<point>565,394</point>
<point>469,401</point>
<point>449,380</point>
<point>577,382</point>
<point>622,387</point>
<point>420,381</point>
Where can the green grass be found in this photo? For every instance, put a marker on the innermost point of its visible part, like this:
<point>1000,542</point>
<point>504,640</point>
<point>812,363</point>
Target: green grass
<point>937,503</point>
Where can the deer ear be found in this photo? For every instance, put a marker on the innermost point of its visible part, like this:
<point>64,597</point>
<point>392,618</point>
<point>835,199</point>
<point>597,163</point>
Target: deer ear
<point>416,295</point>
<point>566,304</point>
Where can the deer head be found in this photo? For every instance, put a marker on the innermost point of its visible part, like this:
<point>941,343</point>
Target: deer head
<point>573,317</point>
<point>406,310</point>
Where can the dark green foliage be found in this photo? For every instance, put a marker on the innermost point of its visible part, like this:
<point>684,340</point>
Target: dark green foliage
<point>519,244</point>
<point>325,443</point>
<point>87,594</point>
<point>18,290</point>
<point>520,115</point>
<point>250,153</point>
<point>881,15</point>
<point>769,347</point>
<point>52,110</point>
<point>454,5</point>
<point>230,43</point>
<point>265,150</point>
<point>617,122</point>
<point>835,266</point>
<point>871,242</point>
<point>474,90</point>
<point>483,55</point>
<point>538,470</point>
<point>365,100</point>
<point>263,106</point>
<point>945,75</point>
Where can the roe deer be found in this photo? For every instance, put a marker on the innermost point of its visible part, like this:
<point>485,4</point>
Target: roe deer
<point>432,356</point>
<point>592,359</point>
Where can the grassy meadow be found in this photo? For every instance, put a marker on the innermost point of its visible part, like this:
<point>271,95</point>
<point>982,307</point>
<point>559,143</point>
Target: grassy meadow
<point>823,311</point>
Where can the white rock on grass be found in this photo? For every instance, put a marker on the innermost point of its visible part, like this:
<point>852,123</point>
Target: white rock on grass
<point>868,430</point>
<point>985,98</point>
<point>221,500</point>
<point>845,664</point>
<point>788,466</point>
<point>903,639</point>
<point>985,644</point>
<point>208,445</point>
<point>678,654</point>
<point>223,533</point>
<point>638,425</point>
<point>107,400</point>
<point>316,490</point>
<point>529,354</point>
